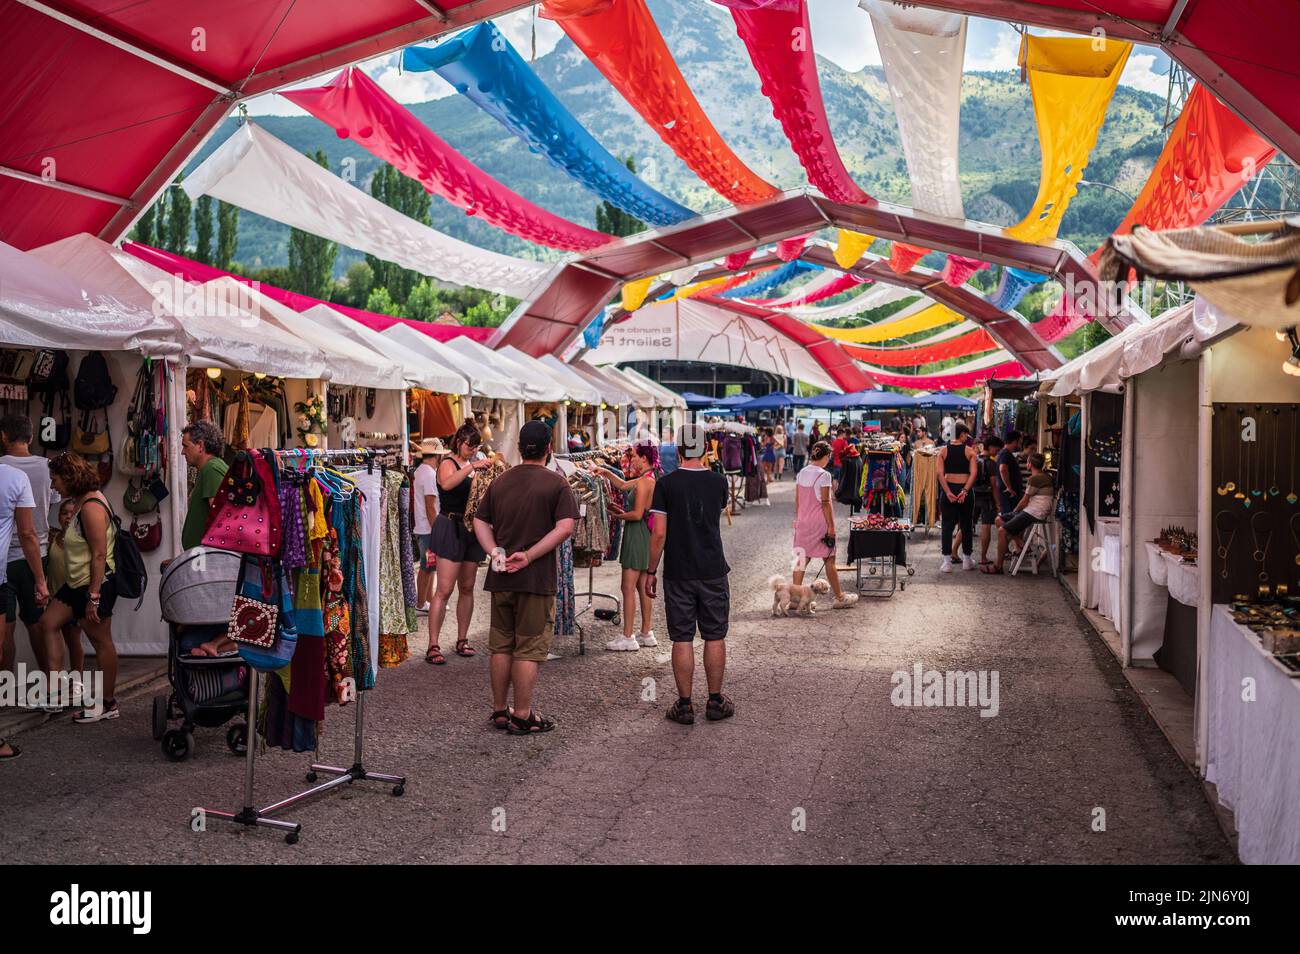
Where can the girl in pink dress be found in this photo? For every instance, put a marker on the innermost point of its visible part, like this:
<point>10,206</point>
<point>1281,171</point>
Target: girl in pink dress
<point>814,523</point>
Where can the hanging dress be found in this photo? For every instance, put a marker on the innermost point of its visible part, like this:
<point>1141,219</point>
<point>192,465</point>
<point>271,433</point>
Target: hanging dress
<point>393,624</point>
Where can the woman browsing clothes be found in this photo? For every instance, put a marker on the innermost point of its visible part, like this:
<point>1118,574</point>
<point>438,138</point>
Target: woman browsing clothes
<point>635,552</point>
<point>459,554</point>
<point>89,592</point>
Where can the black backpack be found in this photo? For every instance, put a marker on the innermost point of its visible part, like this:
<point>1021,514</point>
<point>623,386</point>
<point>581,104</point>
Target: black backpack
<point>94,388</point>
<point>129,573</point>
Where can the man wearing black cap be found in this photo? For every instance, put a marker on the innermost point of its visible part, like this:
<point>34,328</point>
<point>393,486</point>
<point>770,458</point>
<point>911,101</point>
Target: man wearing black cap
<point>526,513</point>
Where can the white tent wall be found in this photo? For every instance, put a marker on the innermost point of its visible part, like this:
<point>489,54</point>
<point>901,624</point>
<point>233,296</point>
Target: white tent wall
<point>504,418</point>
<point>388,419</point>
<point>1160,439</point>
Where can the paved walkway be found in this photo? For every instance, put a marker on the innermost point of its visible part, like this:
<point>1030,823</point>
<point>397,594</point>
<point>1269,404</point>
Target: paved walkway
<point>816,737</point>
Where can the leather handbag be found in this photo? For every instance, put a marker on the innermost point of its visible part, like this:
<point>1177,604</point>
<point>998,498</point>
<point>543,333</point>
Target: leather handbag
<point>105,469</point>
<point>88,439</point>
<point>138,498</point>
<point>261,616</point>
<point>253,622</point>
<point>245,516</point>
<point>147,536</point>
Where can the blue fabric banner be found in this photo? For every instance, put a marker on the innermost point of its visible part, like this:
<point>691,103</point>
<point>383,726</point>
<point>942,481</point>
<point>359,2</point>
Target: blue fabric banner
<point>769,280</point>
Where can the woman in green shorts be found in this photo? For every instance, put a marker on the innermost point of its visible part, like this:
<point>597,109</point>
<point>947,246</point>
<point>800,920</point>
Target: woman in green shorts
<point>635,552</point>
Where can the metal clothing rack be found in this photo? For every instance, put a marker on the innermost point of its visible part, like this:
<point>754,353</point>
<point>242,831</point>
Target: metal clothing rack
<point>251,816</point>
<point>591,592</point>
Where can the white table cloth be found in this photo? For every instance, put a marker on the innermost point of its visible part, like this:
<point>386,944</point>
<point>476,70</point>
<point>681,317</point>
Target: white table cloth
<point>1108,600</point>
<point>1182,579</point>
<point>1253,747</point>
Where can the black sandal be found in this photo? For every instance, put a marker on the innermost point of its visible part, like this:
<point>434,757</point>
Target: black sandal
<point>463,648</point>
<point>434,656</point>
<point>501,719</point>
<point>535,724</point>
<point>682,713</point>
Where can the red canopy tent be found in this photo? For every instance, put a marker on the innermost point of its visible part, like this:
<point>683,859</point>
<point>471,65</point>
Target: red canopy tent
<point>105,101</point>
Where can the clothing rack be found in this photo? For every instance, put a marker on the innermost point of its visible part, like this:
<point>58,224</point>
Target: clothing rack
<point>591,593</point>
<point>251,816</point>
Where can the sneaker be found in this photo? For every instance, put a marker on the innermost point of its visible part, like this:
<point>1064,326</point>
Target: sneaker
<point>623,644</point>
<point>422,610</point>
<point>647,640</point>
<point>845,601</point>
<point>946,565</point>
<point>968,563</point>
<point>720,710</point>
<point>86,716</point>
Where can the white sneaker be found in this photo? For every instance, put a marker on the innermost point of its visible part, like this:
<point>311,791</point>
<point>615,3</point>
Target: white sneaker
<point>623,644</point>
<point>89,716</point>
<point>967,563</point>
<point>946,565</point>
<point>845,601</point>
<point>422,610</point>
<point>647,640</point>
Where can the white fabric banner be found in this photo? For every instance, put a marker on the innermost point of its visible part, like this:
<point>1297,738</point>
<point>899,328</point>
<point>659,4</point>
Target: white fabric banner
<point>873,296</point>
<point>255,171</point>
<point>992,359</point>
<point>923,52</point>
<point>689,330</point>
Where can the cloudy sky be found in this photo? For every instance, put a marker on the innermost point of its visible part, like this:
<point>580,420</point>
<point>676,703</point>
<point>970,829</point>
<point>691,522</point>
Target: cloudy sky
<point>841,33</point>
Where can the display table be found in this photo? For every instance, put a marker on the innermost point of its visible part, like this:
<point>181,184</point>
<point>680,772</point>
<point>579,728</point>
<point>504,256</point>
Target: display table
<point>1182,579</point>
<point>882,552</point>
<point>1177,652</point>
<point>1253,747</point>
<point>1106,591</point>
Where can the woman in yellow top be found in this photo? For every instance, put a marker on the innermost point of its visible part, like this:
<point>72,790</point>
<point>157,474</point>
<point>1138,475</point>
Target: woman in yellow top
<point>88,595</point>
<point>56,574</point>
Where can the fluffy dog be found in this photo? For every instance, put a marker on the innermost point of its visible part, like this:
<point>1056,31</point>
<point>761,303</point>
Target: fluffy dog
<point>789,599</point>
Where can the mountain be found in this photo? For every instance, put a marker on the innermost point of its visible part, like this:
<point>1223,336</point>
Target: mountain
<point>999,142</point>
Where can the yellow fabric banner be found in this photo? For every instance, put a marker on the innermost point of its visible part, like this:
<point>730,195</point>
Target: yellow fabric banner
<point>694,288</point>
<point>934,316</point>
<point>850,246</point>
<point>634,293</point>
<point>1072,80</point>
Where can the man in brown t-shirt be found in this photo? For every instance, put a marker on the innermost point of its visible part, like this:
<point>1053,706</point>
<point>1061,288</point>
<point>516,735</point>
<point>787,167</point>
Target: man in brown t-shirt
<point>526,513</point>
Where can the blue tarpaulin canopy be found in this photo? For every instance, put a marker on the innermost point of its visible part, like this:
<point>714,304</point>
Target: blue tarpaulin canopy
<point>773,402</point>
<point>863,399</point>
<point>946,402</point>
<point>696,401</point>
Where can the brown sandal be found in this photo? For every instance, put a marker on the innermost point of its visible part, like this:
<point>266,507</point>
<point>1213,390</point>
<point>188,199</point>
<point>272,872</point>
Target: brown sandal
<point>463,648</point>
<point>434,656</point>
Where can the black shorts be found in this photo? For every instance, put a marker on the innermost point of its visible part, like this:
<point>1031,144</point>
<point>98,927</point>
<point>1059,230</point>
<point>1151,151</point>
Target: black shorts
<point>986,511</point>
<point>20,581</point>
<point>8,604</point>
<point>79,598</point>
<point>451,541</point>
<point>1017,523</point>
<point>692,604</point>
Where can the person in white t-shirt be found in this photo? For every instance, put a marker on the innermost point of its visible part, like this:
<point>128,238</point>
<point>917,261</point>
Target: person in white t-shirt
<point>947,427</point>
<point>16,434</point>
<point>16,519</point>
<point>423,513</point>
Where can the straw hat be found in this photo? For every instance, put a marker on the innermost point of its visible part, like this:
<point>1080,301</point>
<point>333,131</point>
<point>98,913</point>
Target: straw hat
<point>430,447</point>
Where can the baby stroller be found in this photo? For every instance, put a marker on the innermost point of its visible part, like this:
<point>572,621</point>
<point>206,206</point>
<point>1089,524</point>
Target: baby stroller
<point>196,594</point>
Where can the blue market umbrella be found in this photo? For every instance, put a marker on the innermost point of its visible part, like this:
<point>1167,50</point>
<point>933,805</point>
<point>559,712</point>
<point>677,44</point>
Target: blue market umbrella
<point>946,402</point>
<point>772,402</point>
<point>871,398</point>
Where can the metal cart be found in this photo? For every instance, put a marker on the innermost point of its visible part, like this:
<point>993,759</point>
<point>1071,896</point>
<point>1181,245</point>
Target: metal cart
<point>876,556</point>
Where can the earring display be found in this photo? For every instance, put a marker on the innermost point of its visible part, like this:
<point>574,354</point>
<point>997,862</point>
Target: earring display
<point>1254,489</point>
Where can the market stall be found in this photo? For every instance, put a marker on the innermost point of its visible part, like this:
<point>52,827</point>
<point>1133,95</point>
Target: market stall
<point>671,405</point>
<point>614,402</point>
<point>582,408</point>
<point>643,420</point>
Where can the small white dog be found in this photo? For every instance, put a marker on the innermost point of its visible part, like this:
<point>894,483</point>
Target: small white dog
<point>789,599</point>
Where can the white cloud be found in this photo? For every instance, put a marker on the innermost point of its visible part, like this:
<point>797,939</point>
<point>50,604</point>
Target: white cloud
<point>1140,73</point>
<point>997,52</point>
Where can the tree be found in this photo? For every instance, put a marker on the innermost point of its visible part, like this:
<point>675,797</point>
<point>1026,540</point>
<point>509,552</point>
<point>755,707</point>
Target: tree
<point>356,285</point>
<point>144,228</point>
<point>483,315</point>
<point>408,197</point>
<point>382,303</point>
<point>423,303</point>
<point>203,229</point>
<point>178,220</point>
<point>311,258</point>
<point>613,220</point>
<point>227,235</point>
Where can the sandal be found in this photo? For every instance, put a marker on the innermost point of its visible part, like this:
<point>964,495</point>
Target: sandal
<point>501,719</point>
<point>463,648</point>
<point>682,713</point>
<point>724,709</point>
<point>434,656</point>
<point>535,724</point>
<point>991,569</point>
<point>14,751</point>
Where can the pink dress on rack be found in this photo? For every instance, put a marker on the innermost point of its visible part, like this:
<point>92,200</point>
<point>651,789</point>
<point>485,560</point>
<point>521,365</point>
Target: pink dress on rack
<point>809,519</point>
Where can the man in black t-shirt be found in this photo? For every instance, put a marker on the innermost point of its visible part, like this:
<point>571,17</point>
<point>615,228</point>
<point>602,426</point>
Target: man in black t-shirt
<point>687,508</point>
<point>1010,487</point>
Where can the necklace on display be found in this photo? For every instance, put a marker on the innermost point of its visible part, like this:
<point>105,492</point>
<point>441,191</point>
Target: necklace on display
<point>1258,467</point>
<point>1241,458</point>
<point>1260,554</point>
<point>1273,489</point>
<point>1223,549</point>
<point>1295,535</point>
<point>1291,497</point>
<point>1222,489</point>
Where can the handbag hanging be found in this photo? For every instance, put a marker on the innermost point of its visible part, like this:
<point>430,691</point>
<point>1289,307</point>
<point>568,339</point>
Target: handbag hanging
<point>148,536</point>
<point>54,432</point>
<point>261,618</point>
<point>246,517</point>
<point>89,439</point>
<point>138,498</point>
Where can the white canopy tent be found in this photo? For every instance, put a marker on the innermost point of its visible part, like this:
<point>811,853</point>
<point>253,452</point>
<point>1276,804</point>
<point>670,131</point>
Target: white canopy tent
<point>580,389</point>
<point>417,371</point>
<point>693,330</point>
<point>43,306</point>
<point>483,381</point>
<point>532,382</point>
<point>671,407</point>
<point>534,366</point>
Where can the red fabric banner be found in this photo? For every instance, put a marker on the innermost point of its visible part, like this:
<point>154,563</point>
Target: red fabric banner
<point>952,382</point>
<point>975,342</point>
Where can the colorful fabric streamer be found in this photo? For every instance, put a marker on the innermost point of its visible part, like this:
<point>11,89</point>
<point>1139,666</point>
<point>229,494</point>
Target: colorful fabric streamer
<point>255,171</point>
<point>1013,286</point>
<point>633,296</point>
<point>836,286</point>
<point>902,257</point>
<point>358,109</point>
<point>482,65</point>
<point>737,260</point>
<point>921,317</point>
<point>779,40</point>
<point>873,296</point>
<point>623,42</point>
<point>974,342</point>
<point>850,247</point>
<point>787,250</point>
<point>998,364</point>
<point>957,269</point>
<point>1072,80</point>
<point>773,279</point>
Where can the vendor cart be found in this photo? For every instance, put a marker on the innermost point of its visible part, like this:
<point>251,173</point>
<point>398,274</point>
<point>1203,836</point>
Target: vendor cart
<point>876,556</point>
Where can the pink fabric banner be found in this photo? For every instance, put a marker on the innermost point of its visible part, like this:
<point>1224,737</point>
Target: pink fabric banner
<point>358,109</point>
<point>841,284</point>
<point>779,40</point>
<point>958,268</point>
<point>1063,320</point>
<point>737,260</point>
<point>192,271</point>
<point>951,382</point>
<point>787,250</point>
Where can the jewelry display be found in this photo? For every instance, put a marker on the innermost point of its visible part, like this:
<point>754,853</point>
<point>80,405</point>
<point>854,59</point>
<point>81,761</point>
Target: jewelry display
<point>1291,497</point>
<point>1260,554</point>
<point>1223,549</point>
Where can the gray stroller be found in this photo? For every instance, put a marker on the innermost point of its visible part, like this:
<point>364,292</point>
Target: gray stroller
<point>196,594</point>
